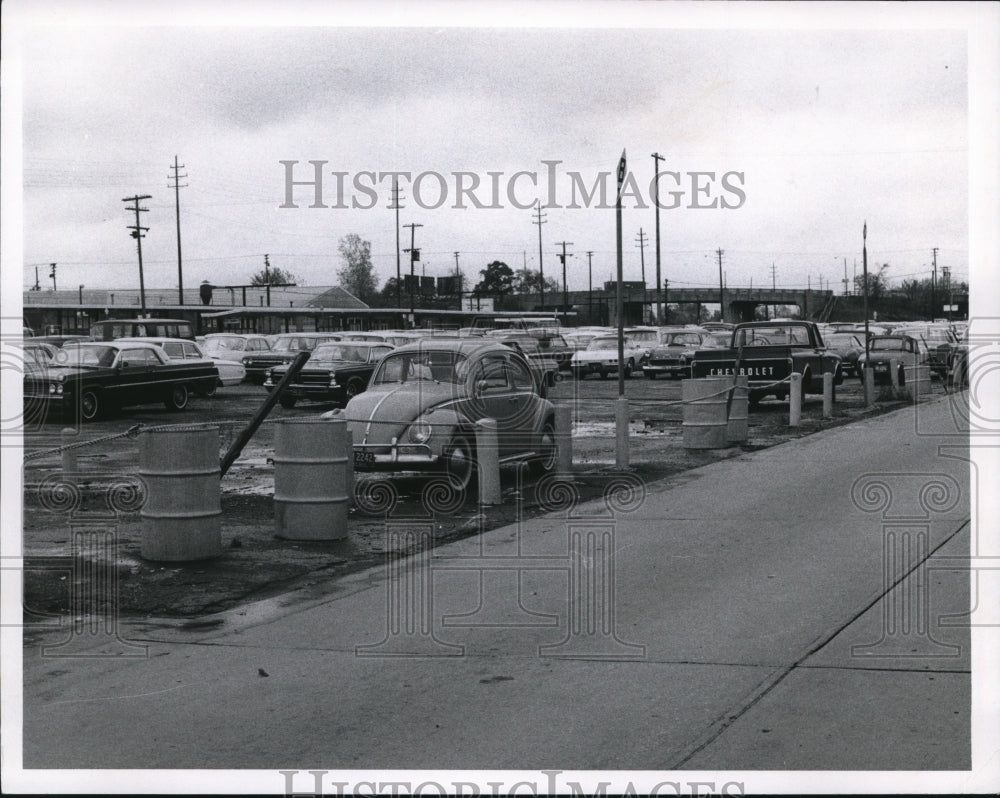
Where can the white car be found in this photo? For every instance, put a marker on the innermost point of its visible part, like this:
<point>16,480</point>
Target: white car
<point>601,357</point>
<point>230,372</point>
<point>233,346</point>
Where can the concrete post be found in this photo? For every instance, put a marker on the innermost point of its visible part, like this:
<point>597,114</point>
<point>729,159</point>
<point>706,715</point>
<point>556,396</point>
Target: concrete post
<point>349,469</point>
<point>70,468</point>
<point>621,432</point>
<point>488,461</point>
<point>564,439</point>
<point>795,400</point>
<point>827,395</point>
<point>869,382</point>
<point>894,378</point>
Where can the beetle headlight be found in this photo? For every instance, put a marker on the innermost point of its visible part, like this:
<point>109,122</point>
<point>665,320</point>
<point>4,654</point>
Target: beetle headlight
<point>420,432</point>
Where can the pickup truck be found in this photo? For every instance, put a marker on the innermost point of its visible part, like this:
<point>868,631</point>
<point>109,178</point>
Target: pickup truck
<point>767,352</point>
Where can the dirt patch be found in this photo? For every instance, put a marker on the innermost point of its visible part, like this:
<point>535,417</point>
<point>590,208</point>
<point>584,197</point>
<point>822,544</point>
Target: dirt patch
<point>82,558</point>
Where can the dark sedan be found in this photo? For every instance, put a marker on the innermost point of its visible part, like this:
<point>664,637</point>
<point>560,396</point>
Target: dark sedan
<point>283,352</point>
<point>335,372</point>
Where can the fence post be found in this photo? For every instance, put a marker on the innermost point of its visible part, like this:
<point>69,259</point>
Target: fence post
<point>869,383</point>
<point>827,395</point>
<point>564,439</point>
<point>349,469</point>
<point>795,399</point>
<point>488,461</point>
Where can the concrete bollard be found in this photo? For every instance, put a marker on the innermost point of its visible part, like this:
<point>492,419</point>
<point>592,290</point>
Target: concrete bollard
<point>182,515</point>
<point>827,395</point>
<point>488,461</point>
<point>894,385</point>
<point>795,400</point>
<point>70,467</point>
<point>621,432</point>
<point>869,384</point>
<point>564,439</point>
<point>349,470</point>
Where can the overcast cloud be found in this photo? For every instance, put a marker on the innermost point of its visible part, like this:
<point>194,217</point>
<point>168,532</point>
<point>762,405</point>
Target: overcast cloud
<point>828,128</point>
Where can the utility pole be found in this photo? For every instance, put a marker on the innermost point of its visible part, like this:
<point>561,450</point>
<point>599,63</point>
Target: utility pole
<point>138,236</point>
<point>414,257</point>
<point>656,200</point>
<point>267,279</point>
<point>562,258</point>
<point>773,284</point>
<point>641,243</point>
<point>52,274</point>
<point>458,276</point>
<point>590,286</point>
<point>399,277</point>
<point>934,252</point>
<point>845,276</point>
<point>177,207</point>
<point>540,220</point>
<point>722,299</point>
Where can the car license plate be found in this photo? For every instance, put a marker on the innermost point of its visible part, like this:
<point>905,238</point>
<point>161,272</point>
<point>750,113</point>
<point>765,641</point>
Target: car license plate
<point>364,458</point>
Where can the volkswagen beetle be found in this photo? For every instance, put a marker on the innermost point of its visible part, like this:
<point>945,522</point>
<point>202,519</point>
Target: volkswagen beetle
<point>424,399</point>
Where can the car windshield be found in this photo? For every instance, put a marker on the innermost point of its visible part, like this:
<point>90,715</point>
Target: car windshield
<point>606,342</point>
<point>331,352</point>
<point>888,345</point>
<point>842,339</point>
<point>683,339</point>
<point>644,336</point>
<point>772,336</point>
<point>225,344</point>
<point>295,344</point>
<point>92,355</point>
<point>413,366</point>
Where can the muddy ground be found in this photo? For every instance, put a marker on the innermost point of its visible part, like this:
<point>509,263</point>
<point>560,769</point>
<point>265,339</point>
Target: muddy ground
<point>70,529</point>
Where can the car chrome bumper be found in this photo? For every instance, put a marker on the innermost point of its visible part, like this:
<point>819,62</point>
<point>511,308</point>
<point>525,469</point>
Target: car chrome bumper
<point>395,457</point>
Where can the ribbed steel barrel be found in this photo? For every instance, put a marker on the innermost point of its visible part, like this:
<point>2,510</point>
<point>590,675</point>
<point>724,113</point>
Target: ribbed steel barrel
<point>918,380</point>
<point>705,425</point>
<point>737,428</point>
<point>182,515</point>
<point>310,479</point>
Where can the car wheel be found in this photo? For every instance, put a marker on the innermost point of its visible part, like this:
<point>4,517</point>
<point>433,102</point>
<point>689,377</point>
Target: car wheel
<point>902,376</point>
<point>211,391</point>
<point>460,463</point>
<point>557,376</point>
<point>354,387</point>
<point>288,402</point>
<point>178,398</point>
<point>605,374</point>
<point>548,451</point>
<point>90,406</point>
<point>650,375</point>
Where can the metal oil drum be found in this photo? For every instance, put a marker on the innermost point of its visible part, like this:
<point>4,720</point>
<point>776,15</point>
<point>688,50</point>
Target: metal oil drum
<point>705,425</point>
<point>182,515</point>
<point>737,428</point>
<point>310,479</point>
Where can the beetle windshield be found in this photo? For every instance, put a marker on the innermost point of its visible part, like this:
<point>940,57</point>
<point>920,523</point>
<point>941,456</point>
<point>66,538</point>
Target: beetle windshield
<point>412,366</point>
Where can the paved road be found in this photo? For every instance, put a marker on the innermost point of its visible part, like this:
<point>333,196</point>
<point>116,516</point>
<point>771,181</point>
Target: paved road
<point>798,608</point>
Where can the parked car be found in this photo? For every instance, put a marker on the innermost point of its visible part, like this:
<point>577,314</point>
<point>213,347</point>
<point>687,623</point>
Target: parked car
<point>113,329</point>
<point>673,353</point>
<point>849,347</point>
<point>283,350</point>
<point>336,372</point>
<point>907,351</point>
<point>941,342</point>
<point>86,379</point>
<point>230,372</point>
<point>601,357</point>
<point>528,346</point>
<point>233,346</point>
<point>420,409</point>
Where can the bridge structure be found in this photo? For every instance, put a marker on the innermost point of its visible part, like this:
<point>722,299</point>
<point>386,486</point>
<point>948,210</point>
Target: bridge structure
<point>639,304</point>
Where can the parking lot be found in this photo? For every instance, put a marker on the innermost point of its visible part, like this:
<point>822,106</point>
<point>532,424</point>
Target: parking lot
<point>256,564</point>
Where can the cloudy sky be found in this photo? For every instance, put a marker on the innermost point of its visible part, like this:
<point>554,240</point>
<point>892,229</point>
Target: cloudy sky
<point>816,130</point>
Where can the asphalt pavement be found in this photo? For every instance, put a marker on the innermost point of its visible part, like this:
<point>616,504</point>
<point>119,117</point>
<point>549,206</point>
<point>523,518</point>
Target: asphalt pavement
<point>800,608</point>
